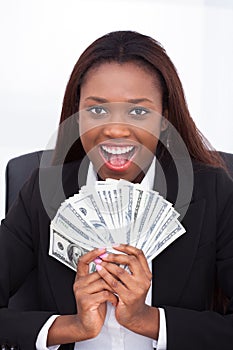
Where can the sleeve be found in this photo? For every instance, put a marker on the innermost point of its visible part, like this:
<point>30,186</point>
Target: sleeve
<point>41,342</point>
<point>17,259</point>
<point>161,344</point>
<point>192,329</point>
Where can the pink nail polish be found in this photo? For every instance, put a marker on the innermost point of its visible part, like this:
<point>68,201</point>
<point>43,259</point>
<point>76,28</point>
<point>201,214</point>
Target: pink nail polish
<point>97,261</point>
<point>98,267</point>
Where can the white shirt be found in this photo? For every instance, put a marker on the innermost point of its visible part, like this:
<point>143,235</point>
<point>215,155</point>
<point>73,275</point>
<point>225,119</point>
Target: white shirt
<point>113,336</point>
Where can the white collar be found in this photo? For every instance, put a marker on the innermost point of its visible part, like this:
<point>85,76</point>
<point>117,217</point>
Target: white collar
<point>147,182</point>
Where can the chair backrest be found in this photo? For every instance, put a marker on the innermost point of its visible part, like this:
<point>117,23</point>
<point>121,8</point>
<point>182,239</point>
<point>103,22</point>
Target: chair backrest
<point>18,170</point>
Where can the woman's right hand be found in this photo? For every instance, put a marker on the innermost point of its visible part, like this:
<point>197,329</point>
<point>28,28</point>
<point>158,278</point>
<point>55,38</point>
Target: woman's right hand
<point>91,294</point>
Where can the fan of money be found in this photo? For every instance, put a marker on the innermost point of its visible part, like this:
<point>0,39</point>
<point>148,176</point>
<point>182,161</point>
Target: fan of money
<point>112,212</point>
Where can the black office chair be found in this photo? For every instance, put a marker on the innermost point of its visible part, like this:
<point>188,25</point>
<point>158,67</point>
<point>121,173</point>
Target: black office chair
<point>17,171</point>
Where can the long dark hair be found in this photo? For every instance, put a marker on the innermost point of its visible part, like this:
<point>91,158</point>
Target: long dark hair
<point>129,46</point>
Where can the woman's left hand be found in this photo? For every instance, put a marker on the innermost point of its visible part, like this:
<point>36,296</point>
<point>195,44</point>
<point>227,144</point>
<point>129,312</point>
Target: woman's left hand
<point>131,288</point>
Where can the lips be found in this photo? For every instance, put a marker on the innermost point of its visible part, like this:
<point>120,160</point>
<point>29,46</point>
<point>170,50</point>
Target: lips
<point>117,157</point>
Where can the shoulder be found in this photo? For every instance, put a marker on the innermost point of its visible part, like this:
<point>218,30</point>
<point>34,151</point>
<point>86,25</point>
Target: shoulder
<point>205,172</point>
<point>212,182</point>
<point>56,183</point>
<point>49,186</point>
<point>72,173</point>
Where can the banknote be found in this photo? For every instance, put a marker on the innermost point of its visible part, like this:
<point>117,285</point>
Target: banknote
<point>65,249</point>
<point>111,212</point>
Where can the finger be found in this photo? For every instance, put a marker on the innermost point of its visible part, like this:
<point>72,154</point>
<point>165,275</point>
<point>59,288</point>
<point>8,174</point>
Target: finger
<point>86,280</point>
<point>129,280</point>
<point>86,259</point>
<point>130,289</point>
<point>137,266</point>
<point>91,286</point>
<point>138,253</point>
<point>102,297</point>
<point>115,283</point>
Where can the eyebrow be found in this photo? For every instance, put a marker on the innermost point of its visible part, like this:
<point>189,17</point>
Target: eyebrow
<point>131,100</point>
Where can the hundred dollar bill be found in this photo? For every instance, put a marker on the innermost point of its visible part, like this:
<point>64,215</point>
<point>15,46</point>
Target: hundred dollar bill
<point>157,234</point>
<point>127,190</point>
<point>63,225</point>
<point>176,230</point>
<point>160,210</point>
<point>90,209</point>
<point>65,249</point>
<point>111,212</point>
<point>142,224</point>
<point>77,220</point>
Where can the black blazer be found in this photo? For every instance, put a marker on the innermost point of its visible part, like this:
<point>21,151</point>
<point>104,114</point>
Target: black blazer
<point>184,274</point>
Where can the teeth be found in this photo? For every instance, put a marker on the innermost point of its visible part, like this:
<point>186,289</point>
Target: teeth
<point>117,150</point>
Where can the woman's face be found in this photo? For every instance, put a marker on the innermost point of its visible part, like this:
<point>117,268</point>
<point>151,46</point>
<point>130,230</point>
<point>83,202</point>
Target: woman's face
<point>120,119</point>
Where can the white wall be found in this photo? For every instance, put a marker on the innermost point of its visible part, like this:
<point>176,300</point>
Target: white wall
<point>42,39</point>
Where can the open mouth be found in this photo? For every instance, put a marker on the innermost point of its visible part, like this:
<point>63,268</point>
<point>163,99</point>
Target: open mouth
<point>117,157</point>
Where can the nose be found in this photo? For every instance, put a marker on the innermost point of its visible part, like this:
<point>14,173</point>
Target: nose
<point>116,130</point>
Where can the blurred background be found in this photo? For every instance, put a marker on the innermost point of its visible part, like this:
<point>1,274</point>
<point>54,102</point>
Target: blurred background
<point>42,40</point>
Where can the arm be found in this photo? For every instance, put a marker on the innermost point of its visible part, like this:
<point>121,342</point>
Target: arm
<point>17,259</point>
<point>19,249</point>
<point>91,293</point>
<point>208,328</point>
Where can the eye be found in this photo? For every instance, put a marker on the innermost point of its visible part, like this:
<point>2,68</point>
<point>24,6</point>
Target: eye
<point>97,111</point>
<point>138,112</point>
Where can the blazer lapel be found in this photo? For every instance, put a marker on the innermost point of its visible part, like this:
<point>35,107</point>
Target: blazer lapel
<point>61,277</point>
<point>172,267</point>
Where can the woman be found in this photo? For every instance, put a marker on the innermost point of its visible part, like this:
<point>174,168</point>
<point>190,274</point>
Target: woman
<point>125,101</point>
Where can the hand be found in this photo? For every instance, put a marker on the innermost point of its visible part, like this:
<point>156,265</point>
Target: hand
<point>91,293</point>
<point>131,288</point>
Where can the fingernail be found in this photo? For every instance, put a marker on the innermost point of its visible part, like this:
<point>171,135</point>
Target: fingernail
<point>97,261</point>
<point>98,267</point>
<point>104,255</point>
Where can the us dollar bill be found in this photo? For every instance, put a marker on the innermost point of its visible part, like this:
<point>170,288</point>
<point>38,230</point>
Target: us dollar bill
<point>66,250</point>
<point>112,212</point>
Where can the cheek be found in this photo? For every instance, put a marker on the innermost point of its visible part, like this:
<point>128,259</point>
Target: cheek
<point>88,135</point>
<point>150,130</point>
<point>151,146</point>
<point>86,141</point>
<point>84,129</point>
<point>90,142</point>
<point>149,139</point>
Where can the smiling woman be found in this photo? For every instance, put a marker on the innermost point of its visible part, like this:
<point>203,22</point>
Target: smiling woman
<point>124,116</point>
<point>120,119</point>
